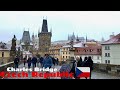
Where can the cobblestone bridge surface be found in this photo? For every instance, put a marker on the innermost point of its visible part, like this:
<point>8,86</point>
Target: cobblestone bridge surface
<point>95,75</point>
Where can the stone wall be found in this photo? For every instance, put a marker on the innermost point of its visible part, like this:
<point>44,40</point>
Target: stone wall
<point>107,68</point>
<point>4,66</point>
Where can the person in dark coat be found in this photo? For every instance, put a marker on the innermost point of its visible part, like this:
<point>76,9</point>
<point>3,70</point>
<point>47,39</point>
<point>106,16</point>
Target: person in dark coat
<point>16,61</point>
<point>83,64</point>
<point>24,60</point>
<point>53,60</point>
<point>79,63</point>
<point>34,61</point>
<point>73,68</point>
<point>41,61</point>
<point>29,62</point>
<point>89,63</point>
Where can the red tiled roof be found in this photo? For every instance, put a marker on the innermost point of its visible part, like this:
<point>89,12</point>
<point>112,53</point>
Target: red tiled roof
<point>113,40</point>
<point>88,50</point>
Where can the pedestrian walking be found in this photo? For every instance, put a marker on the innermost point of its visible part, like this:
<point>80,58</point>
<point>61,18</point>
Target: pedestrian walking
<point>29,61</point>
<point>41,61</point>
<point>47,61</point>
<point>34,61</point>
<point>16,62</point>
<point>24,60</point>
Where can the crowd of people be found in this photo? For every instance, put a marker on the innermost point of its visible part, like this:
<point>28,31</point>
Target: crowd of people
<point>34,61</point>
<point>47,62</point>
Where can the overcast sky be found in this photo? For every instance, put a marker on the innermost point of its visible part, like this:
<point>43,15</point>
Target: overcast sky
<point>94,24</point>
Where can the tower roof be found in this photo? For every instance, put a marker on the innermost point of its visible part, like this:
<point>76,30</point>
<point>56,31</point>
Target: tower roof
<point>26,37</point>
<point>44,26</point>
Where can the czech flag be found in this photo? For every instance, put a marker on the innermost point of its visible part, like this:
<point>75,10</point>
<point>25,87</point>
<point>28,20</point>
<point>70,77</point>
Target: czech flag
<point>83,72</point>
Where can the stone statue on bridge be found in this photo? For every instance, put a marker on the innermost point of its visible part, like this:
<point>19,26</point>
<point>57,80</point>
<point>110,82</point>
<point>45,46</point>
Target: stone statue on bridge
<point>13,49</point>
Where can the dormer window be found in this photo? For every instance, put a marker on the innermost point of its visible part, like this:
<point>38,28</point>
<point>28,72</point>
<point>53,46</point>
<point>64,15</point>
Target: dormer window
<point>118,39</point>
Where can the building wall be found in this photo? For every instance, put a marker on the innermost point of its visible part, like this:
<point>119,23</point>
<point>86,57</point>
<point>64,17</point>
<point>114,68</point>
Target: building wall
<point>95,58</point>
<point>27,47</point>
<point>114,57</point>
<point>65,53</point>
<point>55,52</point>
<point>6,56</point>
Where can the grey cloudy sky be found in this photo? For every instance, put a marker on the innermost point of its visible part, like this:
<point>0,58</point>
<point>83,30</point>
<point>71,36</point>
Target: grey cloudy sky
<point>96,24</point>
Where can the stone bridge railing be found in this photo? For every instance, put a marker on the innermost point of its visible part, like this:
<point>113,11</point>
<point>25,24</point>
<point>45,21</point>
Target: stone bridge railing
<point>3,67</point>
<point>107,68</point>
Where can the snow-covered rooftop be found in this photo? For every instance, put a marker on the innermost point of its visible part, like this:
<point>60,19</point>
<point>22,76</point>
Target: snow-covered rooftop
<point>75,45</point>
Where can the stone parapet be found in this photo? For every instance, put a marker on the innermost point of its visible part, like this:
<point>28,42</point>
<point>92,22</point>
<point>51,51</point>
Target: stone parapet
<point>107,68</point>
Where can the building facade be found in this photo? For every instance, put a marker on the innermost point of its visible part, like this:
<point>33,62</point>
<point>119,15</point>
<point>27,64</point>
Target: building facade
<point>94,52</point>
<point>65,53</point>
<point>4,53</point>
<point>54,51</point>
<point>111,50</point>
<point>65,50</point>
<point>44,39</point>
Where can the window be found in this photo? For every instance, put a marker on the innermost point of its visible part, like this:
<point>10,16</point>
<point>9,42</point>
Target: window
<point>92,57</point>
<point>90,50</point>
<point>98,57</point>
<point>106,61</point>
<point>63,56</point>
<point>108,54</point>
<point>66,57</point>
<point>46,49</point>
<point>98,50</point>
<point>2,54</point>
<point>119,39</point>
<point>107,47</point>
<point>105,54</point>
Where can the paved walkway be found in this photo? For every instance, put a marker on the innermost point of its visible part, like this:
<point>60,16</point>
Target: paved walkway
<point>95,75</point>
<point>29,73</point>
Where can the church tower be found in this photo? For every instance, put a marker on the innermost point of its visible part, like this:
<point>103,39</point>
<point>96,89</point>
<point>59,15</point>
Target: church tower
<point>44,39</point>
